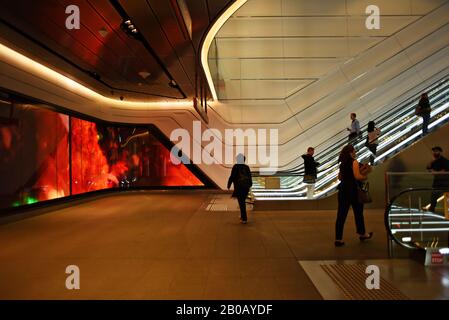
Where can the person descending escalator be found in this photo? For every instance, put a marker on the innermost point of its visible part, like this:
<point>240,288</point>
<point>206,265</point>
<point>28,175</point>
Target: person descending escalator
<point>423,110</point>
<point>242,180</point>
<point>372,140</point>
<point>439,164</point>
<point>310,171</point>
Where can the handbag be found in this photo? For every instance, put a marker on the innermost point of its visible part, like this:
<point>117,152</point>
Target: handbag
<point>418,111</point>
<point>363,194</point>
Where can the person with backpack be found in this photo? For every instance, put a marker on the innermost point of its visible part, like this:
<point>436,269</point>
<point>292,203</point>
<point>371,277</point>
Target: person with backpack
<point>310,171</point>
<point>372,140</point>
<point>242,180</point>
<point>423,110</point>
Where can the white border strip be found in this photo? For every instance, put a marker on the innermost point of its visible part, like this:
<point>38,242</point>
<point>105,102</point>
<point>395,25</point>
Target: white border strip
<point>210,37</point>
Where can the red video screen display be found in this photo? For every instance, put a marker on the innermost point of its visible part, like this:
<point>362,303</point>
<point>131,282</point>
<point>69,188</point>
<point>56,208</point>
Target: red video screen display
<point>34,155</point>
<point>109,156</point>
<point>46,155</point>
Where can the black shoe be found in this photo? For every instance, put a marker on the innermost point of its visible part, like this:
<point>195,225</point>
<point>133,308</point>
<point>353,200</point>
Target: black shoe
<point>339,243</point>
<point>363,238</point>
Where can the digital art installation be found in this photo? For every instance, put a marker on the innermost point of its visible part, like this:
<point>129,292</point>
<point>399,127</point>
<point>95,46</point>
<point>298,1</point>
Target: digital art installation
<point>47,155</point>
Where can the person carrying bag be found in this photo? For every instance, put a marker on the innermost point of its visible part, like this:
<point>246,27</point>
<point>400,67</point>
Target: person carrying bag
<point>351,194</point>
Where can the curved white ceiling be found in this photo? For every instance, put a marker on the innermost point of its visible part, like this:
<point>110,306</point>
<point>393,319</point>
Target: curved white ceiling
<point>269,50</point>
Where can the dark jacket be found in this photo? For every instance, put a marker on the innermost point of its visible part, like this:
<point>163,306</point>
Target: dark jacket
<point>440,165</point>
<point>310,165</point>
<point>348,182</point>
<point>423,107</point>
<point>235,178</point>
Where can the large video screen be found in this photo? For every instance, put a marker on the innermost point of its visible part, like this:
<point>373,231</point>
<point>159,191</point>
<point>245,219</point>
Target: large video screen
<point>109,156</point>
<point>45,155</point>
<point>34,155</point>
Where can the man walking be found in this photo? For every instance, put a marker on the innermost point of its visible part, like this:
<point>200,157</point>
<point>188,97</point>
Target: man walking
<point>241,178</point>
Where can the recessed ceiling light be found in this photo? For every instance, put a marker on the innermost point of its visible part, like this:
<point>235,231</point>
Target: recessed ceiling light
<point>144,74</point>
<point>103,32</point>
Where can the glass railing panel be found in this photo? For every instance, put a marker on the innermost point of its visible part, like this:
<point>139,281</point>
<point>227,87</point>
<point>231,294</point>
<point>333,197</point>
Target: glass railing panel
<point>417,211</point>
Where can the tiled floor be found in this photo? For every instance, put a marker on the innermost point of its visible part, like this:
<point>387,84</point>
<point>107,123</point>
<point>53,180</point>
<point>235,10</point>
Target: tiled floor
<point>166,245</point>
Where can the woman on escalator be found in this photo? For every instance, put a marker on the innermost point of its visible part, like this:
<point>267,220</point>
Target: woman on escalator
<point>372,140</point>
<point>350,175</point>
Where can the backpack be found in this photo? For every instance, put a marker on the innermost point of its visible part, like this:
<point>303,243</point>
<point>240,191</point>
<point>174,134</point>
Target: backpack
<point>243,180</point>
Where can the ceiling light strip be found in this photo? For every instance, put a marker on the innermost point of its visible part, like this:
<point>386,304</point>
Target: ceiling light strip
<point>26,64</point>
<point>210,37</point>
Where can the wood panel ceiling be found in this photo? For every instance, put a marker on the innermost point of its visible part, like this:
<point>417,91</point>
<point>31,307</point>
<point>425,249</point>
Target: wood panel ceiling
<point>103,56</point>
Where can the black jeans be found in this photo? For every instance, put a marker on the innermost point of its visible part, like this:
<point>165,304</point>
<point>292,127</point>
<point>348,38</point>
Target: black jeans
<point>373,149</point>
<point>434,199</point>
<point>242,204</point>
<point>348,199</point>
<point>443,186</point>
<point>425,123</point>
<point>353,137</point>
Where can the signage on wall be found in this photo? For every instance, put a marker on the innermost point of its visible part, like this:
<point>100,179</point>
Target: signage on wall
<point>436,257</point>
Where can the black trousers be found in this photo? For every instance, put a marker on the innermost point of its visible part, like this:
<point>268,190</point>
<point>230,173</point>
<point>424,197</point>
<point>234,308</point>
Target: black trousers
<point>425,123</point>
<point>353,137</point>
<point>373,149</point>
<point>441,184</point>
<point>434,199</point>
<point>242,204</point>
<point>347,199</point>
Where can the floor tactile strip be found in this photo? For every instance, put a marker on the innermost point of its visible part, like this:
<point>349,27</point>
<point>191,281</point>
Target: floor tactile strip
<point>351,279</point>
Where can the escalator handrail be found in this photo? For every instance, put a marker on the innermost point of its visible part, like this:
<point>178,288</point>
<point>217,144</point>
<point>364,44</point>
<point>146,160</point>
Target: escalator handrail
<point>381,119</point>
<point>329,165</point>
<point>389,205</point>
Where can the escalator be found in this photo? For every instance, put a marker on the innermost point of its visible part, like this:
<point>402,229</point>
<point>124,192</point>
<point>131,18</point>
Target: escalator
<point>414,231</point>
<point>400,128</point>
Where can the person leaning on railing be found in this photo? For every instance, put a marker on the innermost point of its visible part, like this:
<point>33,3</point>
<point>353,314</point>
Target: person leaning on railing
<point>440,181</point>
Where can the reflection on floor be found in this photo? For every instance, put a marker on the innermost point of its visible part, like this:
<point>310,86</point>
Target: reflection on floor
<point>167,245</point>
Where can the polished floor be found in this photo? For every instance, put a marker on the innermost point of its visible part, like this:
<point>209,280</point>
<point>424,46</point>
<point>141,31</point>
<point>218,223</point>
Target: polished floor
<point>173,245</point>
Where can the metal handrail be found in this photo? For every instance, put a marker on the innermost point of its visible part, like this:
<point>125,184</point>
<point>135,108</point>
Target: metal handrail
<point>388,208</point>
<point>382,119</point>
<point>439,92</point>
